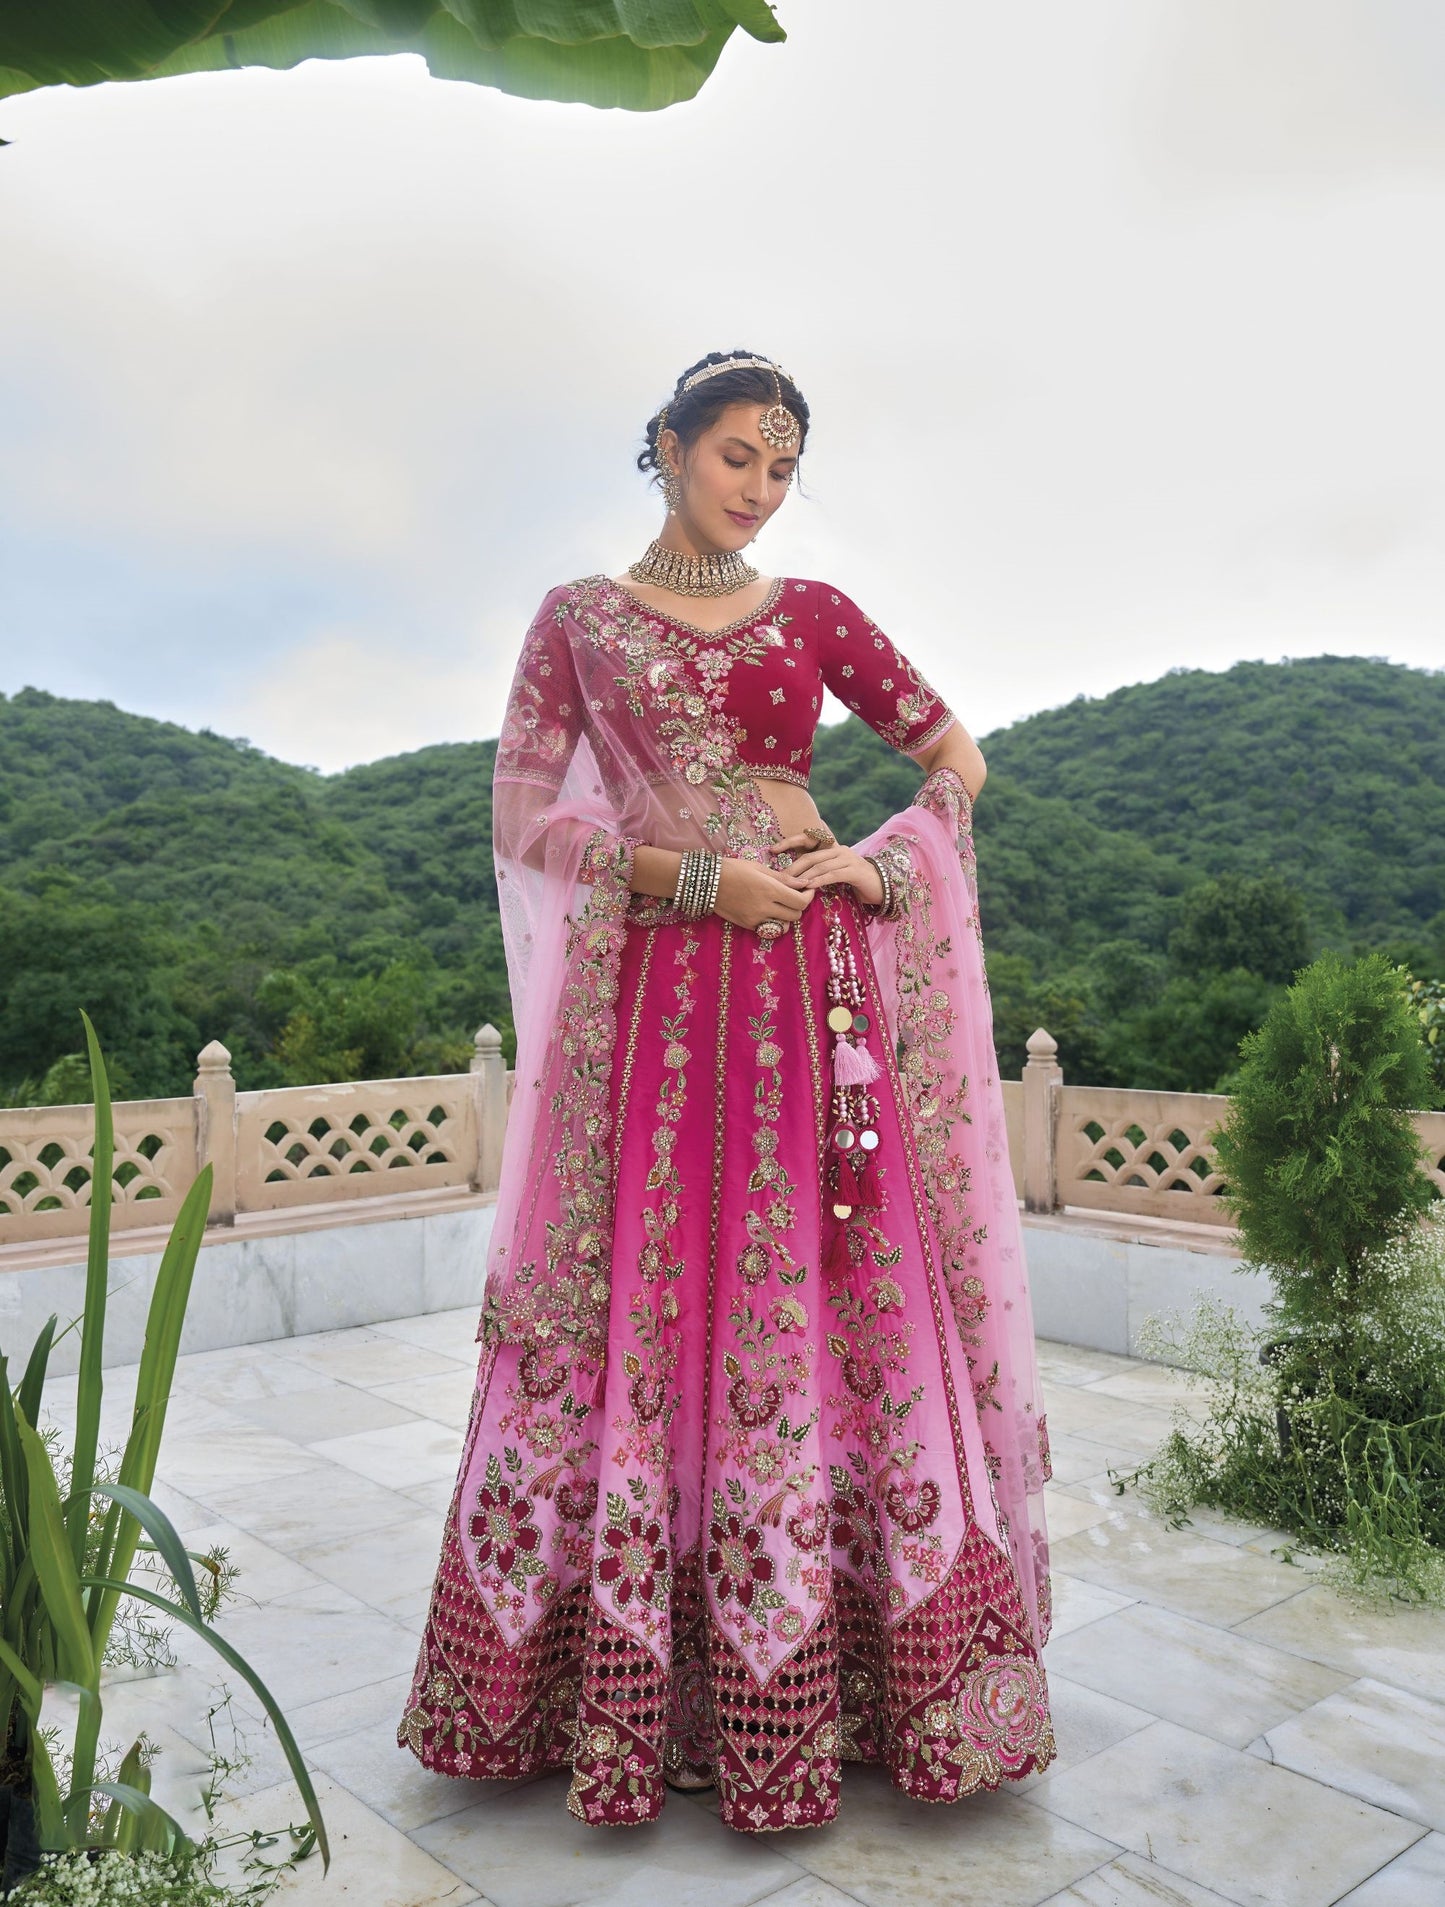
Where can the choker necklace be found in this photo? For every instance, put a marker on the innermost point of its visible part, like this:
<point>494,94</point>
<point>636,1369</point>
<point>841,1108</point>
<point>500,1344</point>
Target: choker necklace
<point>718,574</point>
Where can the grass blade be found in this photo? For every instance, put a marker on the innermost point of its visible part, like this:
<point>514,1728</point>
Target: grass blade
<point>90,1385</point>
<point>243,1668</point>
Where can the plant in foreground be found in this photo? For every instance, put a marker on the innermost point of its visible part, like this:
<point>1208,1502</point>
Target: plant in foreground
<point>69,1540</point>
<point>1329,1423</point>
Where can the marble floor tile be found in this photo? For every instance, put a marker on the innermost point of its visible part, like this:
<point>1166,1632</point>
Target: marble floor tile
<point>417,1451</point>
<point>367,1358</point>
<point>453,1333</point>
<point>1415,1878</point>
<point>687,1858</point>
<point>391,1781</point>
<point>1257,1834</point>
<point>1076,1364</point>
<point>435,1496</point>
<point>1085,1723</point>
<point>220,1463</point>
<point>358,1708</point>
<point>1075,1460</point>
<point>1089,1413</point>
<point>446,1397</point>
<point>1131,1882</point>
<point>298,1510</point>
<point>1205,1678</point>
<point>1143,1558</point>
<point>315,1643</point>
<point>243,1374</point>
<point>1159,1386</point>
<point>379,1563</point>
<point>328,1410</point>
<point>1379,1743</point>
<point>1077,1602</point>
<point>262,1572</point>
<point>1404,1647</point>
<point>891,1851</point>
<point>1066,1515</point>
<point>810,1892</point>
<point>372,1863</point>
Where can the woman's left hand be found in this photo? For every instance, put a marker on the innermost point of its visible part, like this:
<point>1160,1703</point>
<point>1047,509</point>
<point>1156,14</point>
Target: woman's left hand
<point>814,867</point>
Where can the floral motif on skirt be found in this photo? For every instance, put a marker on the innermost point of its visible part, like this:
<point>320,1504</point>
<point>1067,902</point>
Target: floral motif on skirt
<point>770,1544</point>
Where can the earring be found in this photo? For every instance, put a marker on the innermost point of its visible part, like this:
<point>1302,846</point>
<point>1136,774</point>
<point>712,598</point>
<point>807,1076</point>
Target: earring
<point>671,489</point>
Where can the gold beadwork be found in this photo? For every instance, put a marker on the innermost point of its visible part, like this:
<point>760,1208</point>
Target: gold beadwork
<point>714,573</point>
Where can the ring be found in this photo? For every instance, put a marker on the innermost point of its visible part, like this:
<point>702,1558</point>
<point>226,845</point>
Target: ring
<point>771,929</point>
<point>820,837</point>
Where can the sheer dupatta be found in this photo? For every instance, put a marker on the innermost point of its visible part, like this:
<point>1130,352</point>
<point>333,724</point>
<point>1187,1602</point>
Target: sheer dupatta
<point>615,736</point>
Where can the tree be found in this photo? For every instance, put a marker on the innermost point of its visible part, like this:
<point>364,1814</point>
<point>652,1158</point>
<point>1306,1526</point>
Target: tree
<point>598,52</point>
<point>1321,1156</point>
<point>1257,924</point>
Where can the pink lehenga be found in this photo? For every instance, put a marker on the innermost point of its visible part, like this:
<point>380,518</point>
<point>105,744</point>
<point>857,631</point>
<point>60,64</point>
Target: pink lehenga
<point>753,1479</point>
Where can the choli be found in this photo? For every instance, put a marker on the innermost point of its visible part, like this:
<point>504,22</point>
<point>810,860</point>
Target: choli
<point>803,637</point>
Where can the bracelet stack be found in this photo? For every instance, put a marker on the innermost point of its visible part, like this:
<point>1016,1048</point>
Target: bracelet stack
<point>697,883</point>
<point>891,904</point>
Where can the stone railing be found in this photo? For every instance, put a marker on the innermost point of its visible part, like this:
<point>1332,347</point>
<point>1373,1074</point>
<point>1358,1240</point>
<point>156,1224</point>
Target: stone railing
<point>1117,1150</point>
<point>1124,1150</point>
<point>284,1147</point>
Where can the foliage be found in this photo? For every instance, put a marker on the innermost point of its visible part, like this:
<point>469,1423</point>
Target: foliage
<point>601,52</point>
<point>1330,1422</point>
<point>1427,998</point>
<point>1234,923</point>
<point>1350,1462</point>
<point>69,1539</point>
<point>1318,1149</point>
<point>121,1880</point>
<point>1129,848</point>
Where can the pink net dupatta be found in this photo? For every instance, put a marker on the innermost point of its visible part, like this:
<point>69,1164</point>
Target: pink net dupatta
<point>935,994</point>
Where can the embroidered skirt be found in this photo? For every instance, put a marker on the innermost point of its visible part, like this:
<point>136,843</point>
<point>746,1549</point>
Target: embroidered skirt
<point>770,1545</point>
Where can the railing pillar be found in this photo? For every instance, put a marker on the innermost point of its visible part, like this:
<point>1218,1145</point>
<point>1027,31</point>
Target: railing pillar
<point>1042,1075</point>
<point>216,1129</point>
<point>491,1090</point>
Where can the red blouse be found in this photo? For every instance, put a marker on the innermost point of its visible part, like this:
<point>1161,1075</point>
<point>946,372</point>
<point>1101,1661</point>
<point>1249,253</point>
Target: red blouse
<point>774,691</point>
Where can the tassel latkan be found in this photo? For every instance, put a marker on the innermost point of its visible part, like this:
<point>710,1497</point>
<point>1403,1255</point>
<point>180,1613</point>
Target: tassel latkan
<point>853,1065</point>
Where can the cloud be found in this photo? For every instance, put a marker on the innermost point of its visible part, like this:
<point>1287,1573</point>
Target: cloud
<point>1118,325</point>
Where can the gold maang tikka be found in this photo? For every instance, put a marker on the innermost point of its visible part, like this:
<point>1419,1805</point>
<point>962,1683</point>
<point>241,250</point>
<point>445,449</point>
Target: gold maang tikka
<point>777,425</point>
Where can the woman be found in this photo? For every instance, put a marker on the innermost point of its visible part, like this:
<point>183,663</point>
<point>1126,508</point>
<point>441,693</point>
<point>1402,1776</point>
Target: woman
<point>753,1478</point>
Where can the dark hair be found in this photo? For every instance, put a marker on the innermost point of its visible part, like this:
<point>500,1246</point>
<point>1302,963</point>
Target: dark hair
<point>692,412</point>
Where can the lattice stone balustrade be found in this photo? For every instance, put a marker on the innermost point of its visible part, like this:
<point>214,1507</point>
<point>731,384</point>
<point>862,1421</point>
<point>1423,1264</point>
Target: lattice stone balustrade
<point>1130,1151</point>
<point>1103,1149</point>
<point>285,1146</point>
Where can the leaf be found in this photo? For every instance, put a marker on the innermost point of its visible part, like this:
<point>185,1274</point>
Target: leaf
<point>158,1829</point>
<point>837,1344</point>
<point>616,1509</point>
<point>238,1662</point>
<point>153,1519</point>
<point>638,54</point>
<point>55,1570</point>
<point>90,1384</point>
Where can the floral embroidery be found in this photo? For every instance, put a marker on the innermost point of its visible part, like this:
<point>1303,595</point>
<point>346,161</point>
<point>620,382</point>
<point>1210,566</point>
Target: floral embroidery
<point>736,1562</point>
<point>637,1561</point>
<point>502,1528</point>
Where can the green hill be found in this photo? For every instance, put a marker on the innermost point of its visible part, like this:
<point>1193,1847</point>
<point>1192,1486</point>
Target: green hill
<point>1152,864</point>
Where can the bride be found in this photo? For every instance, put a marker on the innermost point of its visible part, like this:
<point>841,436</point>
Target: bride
<point>752,1483</point>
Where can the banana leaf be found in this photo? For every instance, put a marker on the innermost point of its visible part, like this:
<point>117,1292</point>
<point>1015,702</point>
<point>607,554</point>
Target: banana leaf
<point>641,55</point>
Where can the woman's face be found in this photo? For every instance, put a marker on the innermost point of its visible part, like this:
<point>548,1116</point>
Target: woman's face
<point>732,480</point>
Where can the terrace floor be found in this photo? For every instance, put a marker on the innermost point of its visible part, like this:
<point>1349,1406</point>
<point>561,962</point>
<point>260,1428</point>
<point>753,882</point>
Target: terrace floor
<point>1230,1730</point>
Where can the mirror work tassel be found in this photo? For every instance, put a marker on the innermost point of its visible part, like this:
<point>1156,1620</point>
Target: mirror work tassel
<point>852,1174</point>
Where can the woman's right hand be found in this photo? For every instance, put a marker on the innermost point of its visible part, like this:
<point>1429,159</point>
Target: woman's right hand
<point>749,893</point>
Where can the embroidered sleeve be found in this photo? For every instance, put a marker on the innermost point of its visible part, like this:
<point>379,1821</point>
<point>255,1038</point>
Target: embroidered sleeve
<point>544,710</point>
<point>870,676</point>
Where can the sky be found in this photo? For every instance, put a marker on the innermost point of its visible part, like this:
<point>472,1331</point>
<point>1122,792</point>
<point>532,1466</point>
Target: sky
<point>1119,322</point>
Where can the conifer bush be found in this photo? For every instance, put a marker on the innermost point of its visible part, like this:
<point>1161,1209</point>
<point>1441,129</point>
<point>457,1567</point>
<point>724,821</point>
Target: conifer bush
<point>1328,1424</point>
